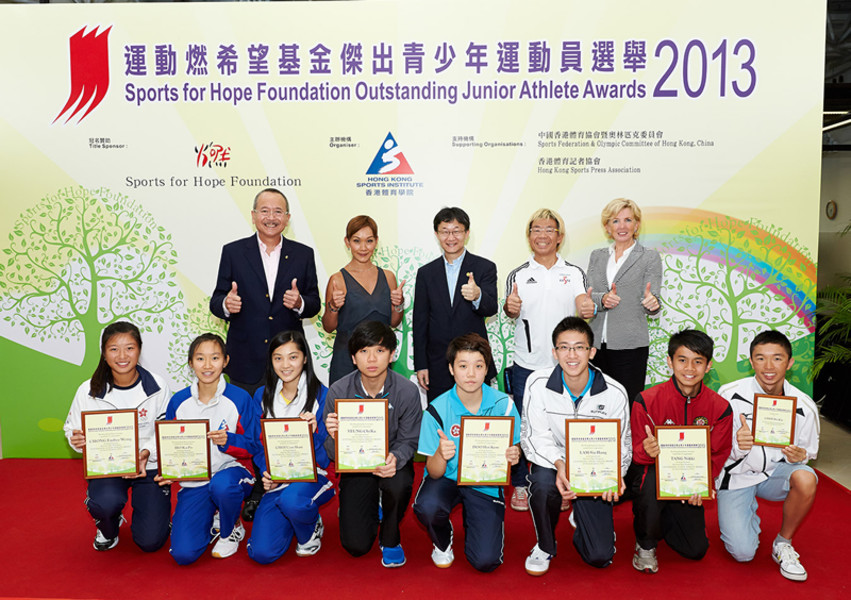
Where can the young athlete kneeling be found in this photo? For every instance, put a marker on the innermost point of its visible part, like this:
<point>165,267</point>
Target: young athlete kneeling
<point>469,358</point>
<point>777,474</point>
<point>233,441</point>
<point>574,389</point>
<point>291,509</point>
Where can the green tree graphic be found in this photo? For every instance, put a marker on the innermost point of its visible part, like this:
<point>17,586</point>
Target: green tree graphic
<point>189,325</point>
<point>718,277</point>
<point>501,336</point>
<point>82,258</point>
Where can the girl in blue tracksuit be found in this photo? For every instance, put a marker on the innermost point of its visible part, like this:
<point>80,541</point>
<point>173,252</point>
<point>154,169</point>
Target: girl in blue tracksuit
<point>233,435</point>
<point>291,390</point>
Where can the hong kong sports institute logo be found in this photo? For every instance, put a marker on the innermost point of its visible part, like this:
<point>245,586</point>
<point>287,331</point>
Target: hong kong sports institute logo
<point>89,60</point>
<point>389,159</point>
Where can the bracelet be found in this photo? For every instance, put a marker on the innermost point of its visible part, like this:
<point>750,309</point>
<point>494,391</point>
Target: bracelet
<point>333,310</point>
<point>399,308</point>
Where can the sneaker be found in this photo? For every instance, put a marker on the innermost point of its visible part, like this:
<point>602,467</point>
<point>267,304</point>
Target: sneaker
<point>228,546</point>
<point>249,508</point>
<point>392,557</point>
<point>442,559</point>
<point>538,562</point>
<point>565,505</point>
<point>103,543</point>
<point>645,560</point>
<point>790,567</point>
<point>312,546</point>
<point>520,499</point>
<point>216,527</point>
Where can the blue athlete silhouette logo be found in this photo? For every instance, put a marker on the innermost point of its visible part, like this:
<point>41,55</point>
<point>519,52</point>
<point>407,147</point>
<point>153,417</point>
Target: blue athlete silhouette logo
<point>389,159</point>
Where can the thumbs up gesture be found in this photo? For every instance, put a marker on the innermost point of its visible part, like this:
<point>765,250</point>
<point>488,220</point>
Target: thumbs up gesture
<point>338,297</point>
<point>513,303</point>
<point>649,301</point>
<point>744,436</point>
<point>585,305</point>
<point>470,291</point>
<point>611,298</point>
<point>233,303</point>
<point>397,297</point>
<point>651,446</point>
<point>446,447</point>
<point>292,297</point>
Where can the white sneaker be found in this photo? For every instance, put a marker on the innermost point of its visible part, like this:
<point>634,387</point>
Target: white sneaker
<point>790,567</point>
<point>442,559</point>
<point>645,560</point>
<point>538,562</point>
<point>103,543</point>
<point>228,546</point>
<point>312,546</point>
<point>216,527</point>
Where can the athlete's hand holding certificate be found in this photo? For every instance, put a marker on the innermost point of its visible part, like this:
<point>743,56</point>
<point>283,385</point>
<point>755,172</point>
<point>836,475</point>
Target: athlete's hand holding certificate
<point>362,439</point>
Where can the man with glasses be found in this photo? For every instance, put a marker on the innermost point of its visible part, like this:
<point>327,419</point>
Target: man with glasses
<point>266,284</point>
<point>454,295</point>
<point>573,389</point>
<point>538,294</point>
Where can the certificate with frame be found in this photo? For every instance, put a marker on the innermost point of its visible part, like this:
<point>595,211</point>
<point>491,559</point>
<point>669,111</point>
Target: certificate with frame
<point>184,450</point>
<point>773,420</point>
<point>683,467</point>
<point>593,455</point>
<point>112,443</point>
<point>362,440</point>
<point>288,444</point>
<point>481,450</point>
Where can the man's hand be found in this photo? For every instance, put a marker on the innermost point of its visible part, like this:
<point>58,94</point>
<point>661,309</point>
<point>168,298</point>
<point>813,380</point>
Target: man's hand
<point>388,469</point>
<point>651,446</point>
<point>513,303</point>
<point>744,436</point>
<point>613,496</point>
<point>470,291</point>
<point>611,298</point>
<point>422,377</point>
<point>585,305</point>
<point>649,301</point>
<point>794,454</point>
<point>562,484</point>
<point>292,298</point>
<point>233,303</point>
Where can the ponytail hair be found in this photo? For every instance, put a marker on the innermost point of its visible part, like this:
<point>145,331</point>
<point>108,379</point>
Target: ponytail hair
<point>101,381</point>
<point>271,378</point>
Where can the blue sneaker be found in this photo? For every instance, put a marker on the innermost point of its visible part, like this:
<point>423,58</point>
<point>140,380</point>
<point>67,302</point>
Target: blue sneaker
<point>392,557</point>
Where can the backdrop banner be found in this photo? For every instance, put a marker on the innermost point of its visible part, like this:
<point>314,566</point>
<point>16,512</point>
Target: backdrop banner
<point>135,137</point>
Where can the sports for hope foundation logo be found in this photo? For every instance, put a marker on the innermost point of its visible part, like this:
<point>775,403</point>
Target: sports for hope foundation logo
<point>89,68</point>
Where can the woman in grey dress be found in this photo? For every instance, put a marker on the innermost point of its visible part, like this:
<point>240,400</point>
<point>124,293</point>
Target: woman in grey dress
<point>360,291</point>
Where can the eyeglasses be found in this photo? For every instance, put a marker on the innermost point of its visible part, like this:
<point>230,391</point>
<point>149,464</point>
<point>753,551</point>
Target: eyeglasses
<point>266,212</point>
<point>540,230</point>
<point>578,349</point>
<point>448,233</point>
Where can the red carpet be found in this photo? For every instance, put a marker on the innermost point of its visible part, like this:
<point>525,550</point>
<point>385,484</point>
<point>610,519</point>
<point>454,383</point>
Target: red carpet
<point>47,553</point>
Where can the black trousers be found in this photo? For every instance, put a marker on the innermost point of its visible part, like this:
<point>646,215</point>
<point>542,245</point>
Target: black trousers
<point>680,524</point>
<point>359,495</point>
<point>594,537</point>
<point>627,367</point>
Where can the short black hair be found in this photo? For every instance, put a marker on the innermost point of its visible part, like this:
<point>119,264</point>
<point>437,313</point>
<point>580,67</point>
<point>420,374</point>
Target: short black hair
<point>693,339</point>
<point>772,336</point>
<point>573,324</point>
<point>447,214</point>
<point>470,342</point>
<point>372,333</point>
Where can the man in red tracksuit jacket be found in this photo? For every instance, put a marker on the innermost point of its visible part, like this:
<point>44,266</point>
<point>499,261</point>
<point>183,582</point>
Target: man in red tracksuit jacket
<point>682,400</point>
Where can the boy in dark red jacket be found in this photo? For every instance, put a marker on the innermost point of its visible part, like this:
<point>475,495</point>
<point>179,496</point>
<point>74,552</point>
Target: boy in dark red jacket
<point>682,400</point>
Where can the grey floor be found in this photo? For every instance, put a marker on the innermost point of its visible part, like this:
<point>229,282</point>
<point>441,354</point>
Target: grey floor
<point>834,452</point>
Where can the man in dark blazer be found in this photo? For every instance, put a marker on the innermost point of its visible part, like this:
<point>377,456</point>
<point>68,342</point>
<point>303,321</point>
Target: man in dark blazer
<point>441,316</point>
<point>266,284</point>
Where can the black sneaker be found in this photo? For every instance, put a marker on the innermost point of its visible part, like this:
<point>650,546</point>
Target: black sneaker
<point>249,508</point>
